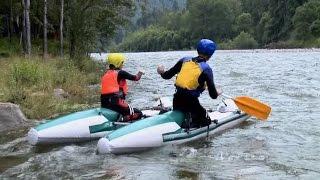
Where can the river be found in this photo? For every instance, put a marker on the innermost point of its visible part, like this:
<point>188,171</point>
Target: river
<point>284,147</point>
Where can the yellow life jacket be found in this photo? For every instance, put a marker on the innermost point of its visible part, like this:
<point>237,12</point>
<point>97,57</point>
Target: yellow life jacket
<point>188,76</point>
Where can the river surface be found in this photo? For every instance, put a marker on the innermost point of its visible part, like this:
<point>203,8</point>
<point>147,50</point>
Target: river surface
<point>287,146</point>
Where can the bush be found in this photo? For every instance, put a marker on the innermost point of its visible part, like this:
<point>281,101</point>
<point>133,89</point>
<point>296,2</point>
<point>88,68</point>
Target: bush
<point>38,105</point>
<point>317,43</point>
<point>225,45</point>
<point>244,41</point>
<point>152,38</point>
<point>25,73</point>
<point>31,82</point>
<point>8,48</point>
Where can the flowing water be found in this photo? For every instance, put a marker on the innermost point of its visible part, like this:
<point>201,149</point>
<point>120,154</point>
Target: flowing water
<point>284,147</point>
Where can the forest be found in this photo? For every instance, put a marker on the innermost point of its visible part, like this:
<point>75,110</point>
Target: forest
<point>54,26</point>
<point>78,27</point>
<point>234,24</point>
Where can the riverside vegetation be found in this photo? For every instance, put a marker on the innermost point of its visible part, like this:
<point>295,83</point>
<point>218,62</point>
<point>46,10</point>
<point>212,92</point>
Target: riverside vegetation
<point>30,83</point>
<point>44,46</point>
<point>234,24</point>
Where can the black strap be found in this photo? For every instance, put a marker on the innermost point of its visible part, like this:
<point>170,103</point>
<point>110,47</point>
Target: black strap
<point>188,121</point>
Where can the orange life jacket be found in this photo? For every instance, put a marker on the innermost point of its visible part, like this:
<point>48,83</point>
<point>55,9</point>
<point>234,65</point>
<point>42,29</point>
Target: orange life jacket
<point>110,84</point>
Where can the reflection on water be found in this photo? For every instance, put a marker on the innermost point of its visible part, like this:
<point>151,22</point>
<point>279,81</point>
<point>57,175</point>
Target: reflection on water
<point>284,147</point>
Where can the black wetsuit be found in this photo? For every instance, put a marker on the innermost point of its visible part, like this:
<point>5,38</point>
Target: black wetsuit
<point>184,101</point>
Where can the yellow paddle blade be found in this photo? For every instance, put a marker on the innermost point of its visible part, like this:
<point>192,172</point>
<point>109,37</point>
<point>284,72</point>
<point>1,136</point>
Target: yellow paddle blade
<point>253,107</point>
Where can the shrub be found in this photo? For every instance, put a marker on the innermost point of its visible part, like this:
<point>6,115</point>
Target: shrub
<point>31,82</point>
<point>225,45</point>
<point>244,41</point>
<point>153,38</point>
<point>8,48</point>
<point>25,73</point>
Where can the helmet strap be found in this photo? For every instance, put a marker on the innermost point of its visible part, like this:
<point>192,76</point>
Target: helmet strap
<point>204,57</point>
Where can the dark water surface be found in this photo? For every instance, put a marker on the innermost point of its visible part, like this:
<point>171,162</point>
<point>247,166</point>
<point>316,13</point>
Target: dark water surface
<point>287,146</point>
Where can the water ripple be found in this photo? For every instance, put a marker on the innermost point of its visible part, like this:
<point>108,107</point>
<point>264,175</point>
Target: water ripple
<point>284,147</point>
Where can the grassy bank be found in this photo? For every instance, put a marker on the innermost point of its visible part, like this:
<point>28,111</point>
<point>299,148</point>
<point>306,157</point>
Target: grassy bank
<point>33,83</point>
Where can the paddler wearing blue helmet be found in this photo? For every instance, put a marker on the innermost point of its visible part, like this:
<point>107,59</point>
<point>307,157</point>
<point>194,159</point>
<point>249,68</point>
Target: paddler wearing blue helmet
<point>193,75</point>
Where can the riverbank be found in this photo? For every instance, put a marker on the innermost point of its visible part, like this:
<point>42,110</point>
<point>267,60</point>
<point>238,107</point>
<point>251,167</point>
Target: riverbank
<point>44,89</point>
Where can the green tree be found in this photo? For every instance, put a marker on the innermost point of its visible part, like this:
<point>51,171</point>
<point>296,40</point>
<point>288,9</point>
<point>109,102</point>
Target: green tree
<point>262,28</point>
<point>244,23</point>
<point>281,12</point>
<point>211,19</point>
<point>153,38</point>
<point>315,28</point>
<point>86,22</point>
<point>307,20</point>
<point>244,41</point>
<point>89,21</point>
<point>256,8</point>
<point>10,11</point>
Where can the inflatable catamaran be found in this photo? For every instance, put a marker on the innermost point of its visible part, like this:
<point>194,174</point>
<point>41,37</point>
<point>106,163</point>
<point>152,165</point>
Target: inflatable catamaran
<point>164,129</point>
<point>85,125</point>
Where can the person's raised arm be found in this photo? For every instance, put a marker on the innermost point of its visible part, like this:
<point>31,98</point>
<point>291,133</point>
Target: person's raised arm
<point>213,92</point>
<point>125,75</point>
<point>171,72</point>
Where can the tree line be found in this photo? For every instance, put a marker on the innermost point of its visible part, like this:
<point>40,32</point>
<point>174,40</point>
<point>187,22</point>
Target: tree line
<point>79,26</point>
<point>240,24</point>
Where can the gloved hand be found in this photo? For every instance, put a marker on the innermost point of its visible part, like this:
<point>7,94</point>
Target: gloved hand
<point>219,91</point>
<point>139,74</point>
<point>160,69</point>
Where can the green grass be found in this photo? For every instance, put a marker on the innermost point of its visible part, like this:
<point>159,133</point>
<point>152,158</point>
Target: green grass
<point>30,83</point>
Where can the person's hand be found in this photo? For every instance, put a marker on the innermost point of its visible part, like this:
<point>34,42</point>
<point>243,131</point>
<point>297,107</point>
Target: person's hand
<point>160,69</point>
<point>141,71</point>
<point>219,91</point>
<point>139,74</point>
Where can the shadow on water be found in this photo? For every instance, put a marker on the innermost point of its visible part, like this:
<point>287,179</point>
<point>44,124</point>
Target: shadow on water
<point>207,142</point>
<point>247,124</point>
<point>11,161</point>
<point>46,148</point>
<point>186,174</point>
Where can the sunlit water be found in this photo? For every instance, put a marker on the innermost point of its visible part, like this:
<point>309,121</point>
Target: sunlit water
<point>284,147</point>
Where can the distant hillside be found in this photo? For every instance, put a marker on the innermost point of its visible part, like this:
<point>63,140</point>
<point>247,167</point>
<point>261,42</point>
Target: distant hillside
<point>147,12</point>
<point>150,6</point>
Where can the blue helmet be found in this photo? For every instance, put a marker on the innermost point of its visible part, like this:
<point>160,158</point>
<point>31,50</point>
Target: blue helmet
<point>206,47</point>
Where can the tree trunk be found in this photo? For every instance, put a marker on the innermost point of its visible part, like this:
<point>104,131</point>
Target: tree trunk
<point>61,29</point>
<point>45,37</point>
<point>72,45</point>
<point>28,33</point>
<point>24,30</point>
<point>8,26</point>
<point>11,21</point>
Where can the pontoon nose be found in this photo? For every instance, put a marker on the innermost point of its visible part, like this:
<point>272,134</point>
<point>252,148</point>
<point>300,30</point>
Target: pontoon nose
<point>104,146</point>
<point>33,136</point>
